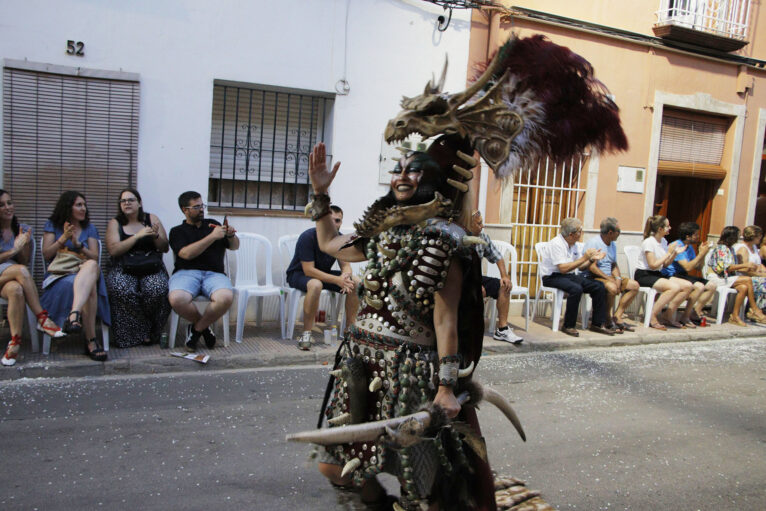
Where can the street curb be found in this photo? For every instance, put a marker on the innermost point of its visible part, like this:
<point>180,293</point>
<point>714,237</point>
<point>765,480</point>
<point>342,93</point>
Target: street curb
<point>324,356</point>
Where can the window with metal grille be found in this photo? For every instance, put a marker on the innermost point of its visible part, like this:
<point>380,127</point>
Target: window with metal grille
<point>692,145</point>
<point>260,141</point>
<point>66,132</point>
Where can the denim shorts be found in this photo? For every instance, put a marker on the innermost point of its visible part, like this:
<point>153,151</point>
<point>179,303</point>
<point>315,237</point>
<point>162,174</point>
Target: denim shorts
<point>199,282</point>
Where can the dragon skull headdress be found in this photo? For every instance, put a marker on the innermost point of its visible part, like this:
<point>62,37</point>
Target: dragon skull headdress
<point>534,99</point>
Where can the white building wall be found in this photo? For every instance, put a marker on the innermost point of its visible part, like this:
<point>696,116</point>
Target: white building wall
<point>179,47</point>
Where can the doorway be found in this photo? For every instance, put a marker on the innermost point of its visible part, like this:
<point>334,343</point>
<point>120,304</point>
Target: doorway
<point>685,199</point>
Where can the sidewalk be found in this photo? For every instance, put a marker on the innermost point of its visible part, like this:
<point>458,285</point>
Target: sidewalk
<point>262,347</point>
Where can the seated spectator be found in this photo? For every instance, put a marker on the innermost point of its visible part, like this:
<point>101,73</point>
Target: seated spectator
<point>75,296</point>
<point>16,284</point>
<point>721,269</point>
<point>656,255</point>
<point>199,245</point>
<point>686,261</point>
<point>499,289</point>
<point>311,271</point>
<point>607,272</point>
<point>558,267</point>
<point>138,295</point>
<point>747,251</point>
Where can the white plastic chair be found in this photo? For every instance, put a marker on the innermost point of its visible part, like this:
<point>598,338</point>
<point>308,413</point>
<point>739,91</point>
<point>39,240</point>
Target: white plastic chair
<point>557,301</point>
<point>174,317</point>
<point>286,251</point>
<point>723,296</point>
<point>249,283</point>
<point>632,253</point>
<point>31,319</point>
<point>510,257</point>
<point>104,327</point>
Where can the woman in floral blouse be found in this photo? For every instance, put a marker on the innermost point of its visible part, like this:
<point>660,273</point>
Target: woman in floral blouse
<point>722,268</point>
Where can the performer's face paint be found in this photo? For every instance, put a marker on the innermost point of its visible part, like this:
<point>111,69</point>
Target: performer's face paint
<point>409,176</point>
<point>405,177</point>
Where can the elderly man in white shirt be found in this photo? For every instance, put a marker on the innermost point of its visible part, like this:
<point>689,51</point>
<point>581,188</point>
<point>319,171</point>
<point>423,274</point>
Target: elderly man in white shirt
<point>558,268</point>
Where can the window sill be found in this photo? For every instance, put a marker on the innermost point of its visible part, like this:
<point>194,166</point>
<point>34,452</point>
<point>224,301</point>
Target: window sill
<point>219,210</point>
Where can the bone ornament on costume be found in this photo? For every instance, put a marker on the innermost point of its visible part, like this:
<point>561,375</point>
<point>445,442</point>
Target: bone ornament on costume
<point>369,431</point>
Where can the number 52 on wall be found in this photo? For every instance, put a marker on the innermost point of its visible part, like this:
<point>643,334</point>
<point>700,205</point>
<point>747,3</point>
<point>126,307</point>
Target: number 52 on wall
<point>76,48</point>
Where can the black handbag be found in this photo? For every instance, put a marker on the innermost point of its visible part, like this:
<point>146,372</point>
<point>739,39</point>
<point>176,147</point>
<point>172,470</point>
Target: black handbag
<point>142,263</point>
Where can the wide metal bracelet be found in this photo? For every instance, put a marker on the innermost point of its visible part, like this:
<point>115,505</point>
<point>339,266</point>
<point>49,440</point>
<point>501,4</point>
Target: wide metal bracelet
<point>318,207</point>
<point>448,372</point>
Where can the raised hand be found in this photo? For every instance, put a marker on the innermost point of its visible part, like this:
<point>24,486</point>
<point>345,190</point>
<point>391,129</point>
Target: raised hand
<point>21,240</point>
<point>319,174</point>
<point>68,231</point>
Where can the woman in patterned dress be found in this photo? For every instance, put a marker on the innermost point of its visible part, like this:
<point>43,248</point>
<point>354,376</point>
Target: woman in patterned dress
<point>139,301</point>
<point>722,268</point>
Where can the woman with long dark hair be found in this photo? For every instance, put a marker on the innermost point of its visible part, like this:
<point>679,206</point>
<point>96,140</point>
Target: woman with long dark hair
<point>722,268</point>
<point>78,296</point>
<point>656,255</point>
<point>138,289</point>
<point>16,284</point>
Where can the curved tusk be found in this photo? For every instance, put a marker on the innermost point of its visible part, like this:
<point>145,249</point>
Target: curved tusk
<point>350,467</point>
<point>364,432</point>
<point>473,240</point>
<point>470,160</point>
<point>443,77</point>
<point>464,173</point>
<point>336,373</point>
<point>389,253</point>
<point>458,185</point>
<point>373,302</point>
<point>462,373</point>
<point>340,420</point>
<point>494,397</point>
<point>375,384</point>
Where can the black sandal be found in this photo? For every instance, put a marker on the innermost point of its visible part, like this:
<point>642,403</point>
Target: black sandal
<point>73,326</point>
<point>98,354</point>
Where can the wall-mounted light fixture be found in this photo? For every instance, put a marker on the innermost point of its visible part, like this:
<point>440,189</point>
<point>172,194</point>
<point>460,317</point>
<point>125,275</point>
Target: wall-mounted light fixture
<point>457,4</point>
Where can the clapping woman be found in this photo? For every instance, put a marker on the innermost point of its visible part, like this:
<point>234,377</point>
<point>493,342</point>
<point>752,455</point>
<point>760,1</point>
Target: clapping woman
<point>138,281</point>
<point>723,269</point>
<point>75,296</point>
<point>656,255</point>
<point>16,284</point>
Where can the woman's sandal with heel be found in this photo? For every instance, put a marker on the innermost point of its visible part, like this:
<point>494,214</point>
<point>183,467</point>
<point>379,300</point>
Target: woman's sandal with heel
<point>53,331</point>
<point>97,353</point>
<point>9,358</point>
<point>73,326</point>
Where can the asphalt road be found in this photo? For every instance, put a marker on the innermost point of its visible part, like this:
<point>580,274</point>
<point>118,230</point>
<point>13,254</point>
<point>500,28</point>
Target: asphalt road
<point>673,426</point>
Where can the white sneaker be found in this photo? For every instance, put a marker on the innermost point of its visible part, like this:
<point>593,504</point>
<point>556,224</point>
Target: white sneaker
<point>507,335</point>
<point>305,341</point>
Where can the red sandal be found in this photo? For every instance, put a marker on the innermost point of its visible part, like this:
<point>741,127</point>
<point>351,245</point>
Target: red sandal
<point>13,349</point>
<point>53,331</point>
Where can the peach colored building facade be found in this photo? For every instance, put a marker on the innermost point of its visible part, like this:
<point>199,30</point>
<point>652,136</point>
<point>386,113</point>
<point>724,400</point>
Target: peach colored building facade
<point>649,79</point>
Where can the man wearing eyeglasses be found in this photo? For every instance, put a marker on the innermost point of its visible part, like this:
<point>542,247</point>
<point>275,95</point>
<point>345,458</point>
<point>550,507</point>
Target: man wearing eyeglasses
<point>311,271</point>
<point>559,265</point>
<point>199,245</point>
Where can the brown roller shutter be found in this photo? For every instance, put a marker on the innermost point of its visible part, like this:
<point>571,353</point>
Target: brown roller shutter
<point>63,132</point>
<point>692,145</point>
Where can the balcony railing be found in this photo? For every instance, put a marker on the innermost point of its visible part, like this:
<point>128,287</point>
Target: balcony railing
<point>723,18</point>
<point>718,24</point>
